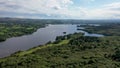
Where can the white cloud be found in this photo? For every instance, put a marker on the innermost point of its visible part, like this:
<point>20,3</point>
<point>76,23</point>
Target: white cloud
<point>44,6</point>
<point>107,11</point>
<point>61,8</point>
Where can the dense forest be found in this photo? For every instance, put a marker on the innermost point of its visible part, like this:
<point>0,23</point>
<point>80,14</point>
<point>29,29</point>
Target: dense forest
<point>72,51</point>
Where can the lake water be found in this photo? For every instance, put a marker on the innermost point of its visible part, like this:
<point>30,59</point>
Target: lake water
<point>41,36</point>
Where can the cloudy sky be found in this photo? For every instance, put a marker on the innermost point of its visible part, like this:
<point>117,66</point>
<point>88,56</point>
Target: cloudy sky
<point>61,9</point>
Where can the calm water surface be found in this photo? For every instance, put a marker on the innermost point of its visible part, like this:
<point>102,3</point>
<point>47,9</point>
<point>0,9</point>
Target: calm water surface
<point>41,36</point>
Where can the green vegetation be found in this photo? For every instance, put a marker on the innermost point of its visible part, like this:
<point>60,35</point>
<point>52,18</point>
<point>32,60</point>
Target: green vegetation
<point>69,51</point>
<point>75,51</point>
<point>8,30</point>
<point>106,29</point>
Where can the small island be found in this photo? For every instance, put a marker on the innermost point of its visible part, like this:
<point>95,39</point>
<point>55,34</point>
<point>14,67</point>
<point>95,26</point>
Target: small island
<point>64,32</point>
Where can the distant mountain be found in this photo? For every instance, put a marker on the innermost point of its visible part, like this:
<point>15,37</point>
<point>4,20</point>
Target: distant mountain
<point>8,19</point>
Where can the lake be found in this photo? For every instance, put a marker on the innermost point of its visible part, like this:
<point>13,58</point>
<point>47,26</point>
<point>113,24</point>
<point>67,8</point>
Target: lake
<point>40,37</point>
